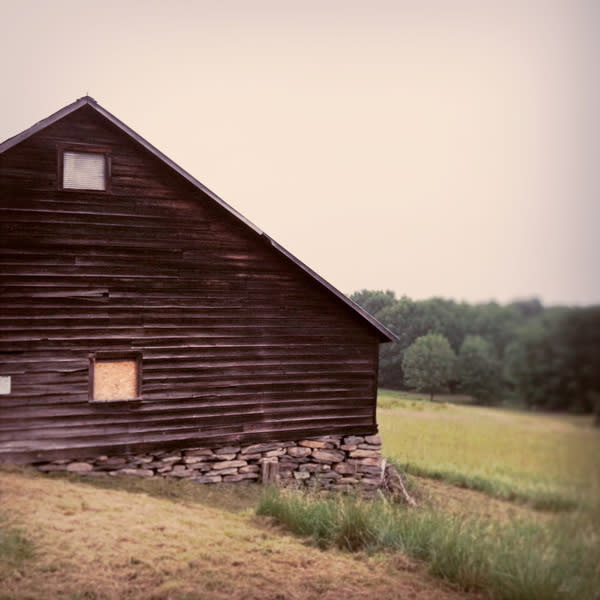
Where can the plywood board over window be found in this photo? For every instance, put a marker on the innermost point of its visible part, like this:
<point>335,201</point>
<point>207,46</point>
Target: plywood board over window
<point>115,378</point>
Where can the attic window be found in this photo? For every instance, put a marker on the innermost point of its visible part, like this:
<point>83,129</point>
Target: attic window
<point>83,168</point>
<point>115,378</point>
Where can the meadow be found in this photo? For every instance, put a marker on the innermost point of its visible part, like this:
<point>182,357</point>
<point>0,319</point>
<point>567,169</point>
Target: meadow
<point>550,461</point>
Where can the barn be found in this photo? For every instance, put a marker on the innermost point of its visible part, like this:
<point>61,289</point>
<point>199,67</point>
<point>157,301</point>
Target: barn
<point>149,328</point>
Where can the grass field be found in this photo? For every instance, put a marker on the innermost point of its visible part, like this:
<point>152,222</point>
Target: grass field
<point>110,538</point>
<point>546,546</point>
<point>113,539</point>
<point>550,461</point>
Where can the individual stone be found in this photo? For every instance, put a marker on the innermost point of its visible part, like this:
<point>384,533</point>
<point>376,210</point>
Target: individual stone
<point>192,460</point>
<point>50,468</point>
<point>227,450</point>
<point>345,468</point>
<point>369,461</point>
<point>230,456</point>
<point>301,474</point>
<point>348,447</point>
<point>328,456</point>
<point>298,451</point>
<point>231,471</point>
<point>287,462</point>
<point>202,467</point>
<point>336,439</point>
<point>249,469</point>
<point>173,458</point>
<point>259,448</point>
<point>373,439</point>
<point>276,452</point>
<point>373,471</point>
<point>365,453</point>
<point>348,480</point>
<point>156,464</point>
<point>79,467</point>
<point>310,467</point>
<point>199,452</point>
<point>143,459</point>
<point>251,457</point>
<point>226,464</point>
<point>354,439</point>
<point>313,444</point>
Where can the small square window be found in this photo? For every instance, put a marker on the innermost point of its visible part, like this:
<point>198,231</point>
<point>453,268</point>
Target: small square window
<point>84,171</point>
<point>115,378</point>
<point>82,167</point>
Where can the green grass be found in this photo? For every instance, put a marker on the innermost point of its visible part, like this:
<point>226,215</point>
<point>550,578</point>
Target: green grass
<point>547,461</point>
<point>15,547</point>
<point>516,561</point>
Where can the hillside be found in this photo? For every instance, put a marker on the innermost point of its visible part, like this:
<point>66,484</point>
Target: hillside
<point>92,543</point>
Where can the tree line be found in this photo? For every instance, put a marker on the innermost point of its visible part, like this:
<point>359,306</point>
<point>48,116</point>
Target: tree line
<point>543,357</point>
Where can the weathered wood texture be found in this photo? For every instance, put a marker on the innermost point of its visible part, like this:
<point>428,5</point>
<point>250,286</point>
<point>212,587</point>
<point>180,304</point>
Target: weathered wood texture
<point>237,343</point>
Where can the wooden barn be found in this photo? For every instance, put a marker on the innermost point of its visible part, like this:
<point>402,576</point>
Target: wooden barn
<point>141,313</point>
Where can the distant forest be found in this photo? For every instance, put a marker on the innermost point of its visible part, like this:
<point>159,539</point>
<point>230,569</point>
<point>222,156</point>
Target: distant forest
<point>543,357</point>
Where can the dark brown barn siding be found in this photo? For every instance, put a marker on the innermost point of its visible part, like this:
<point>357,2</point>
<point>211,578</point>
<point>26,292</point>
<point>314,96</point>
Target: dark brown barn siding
<point>238,343</point>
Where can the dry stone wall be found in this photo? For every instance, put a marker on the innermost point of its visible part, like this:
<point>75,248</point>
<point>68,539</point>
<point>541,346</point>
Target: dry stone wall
<point>329,462</point>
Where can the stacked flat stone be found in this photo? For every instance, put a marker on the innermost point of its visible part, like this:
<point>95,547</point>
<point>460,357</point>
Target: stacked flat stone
<point>327,462</point>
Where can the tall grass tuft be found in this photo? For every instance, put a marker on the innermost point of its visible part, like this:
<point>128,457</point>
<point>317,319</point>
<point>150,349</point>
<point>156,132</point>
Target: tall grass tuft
<point>518,561</point>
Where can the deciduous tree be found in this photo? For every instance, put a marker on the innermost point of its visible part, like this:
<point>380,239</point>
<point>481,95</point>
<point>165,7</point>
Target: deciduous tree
<point>429,364</point>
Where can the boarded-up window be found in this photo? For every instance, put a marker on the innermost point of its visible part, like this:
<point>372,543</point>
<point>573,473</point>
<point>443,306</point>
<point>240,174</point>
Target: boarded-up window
<point>114,379</point>
<point>84,171</point>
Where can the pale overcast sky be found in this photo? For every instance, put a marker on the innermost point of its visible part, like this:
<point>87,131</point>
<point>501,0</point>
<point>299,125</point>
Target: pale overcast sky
<point>435,148</point>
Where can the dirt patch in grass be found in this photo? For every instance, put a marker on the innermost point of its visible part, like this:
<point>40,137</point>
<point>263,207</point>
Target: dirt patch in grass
<point>107,544</point>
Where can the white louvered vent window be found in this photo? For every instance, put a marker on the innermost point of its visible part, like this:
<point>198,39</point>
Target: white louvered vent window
<point>84,171</point>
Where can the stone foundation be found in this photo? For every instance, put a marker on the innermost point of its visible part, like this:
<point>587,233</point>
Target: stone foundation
<point>329,462</point>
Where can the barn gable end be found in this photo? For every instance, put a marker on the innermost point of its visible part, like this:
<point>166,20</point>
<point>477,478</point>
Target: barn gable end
<point>229,339</point>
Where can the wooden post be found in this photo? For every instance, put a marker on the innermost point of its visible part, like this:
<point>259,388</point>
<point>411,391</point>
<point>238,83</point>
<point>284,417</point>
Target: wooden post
<point>270,473</point>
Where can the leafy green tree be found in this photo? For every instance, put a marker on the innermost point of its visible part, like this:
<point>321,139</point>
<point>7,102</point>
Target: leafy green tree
<point>478,369</point>
<point>373,301</point>
<point>429,364</point>
<point>537,362</point>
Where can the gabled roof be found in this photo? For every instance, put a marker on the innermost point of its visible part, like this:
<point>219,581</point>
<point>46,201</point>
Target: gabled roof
<point>384,333</point>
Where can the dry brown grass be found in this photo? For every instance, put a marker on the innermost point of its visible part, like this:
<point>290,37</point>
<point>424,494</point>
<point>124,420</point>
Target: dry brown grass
<point>109,544</point>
